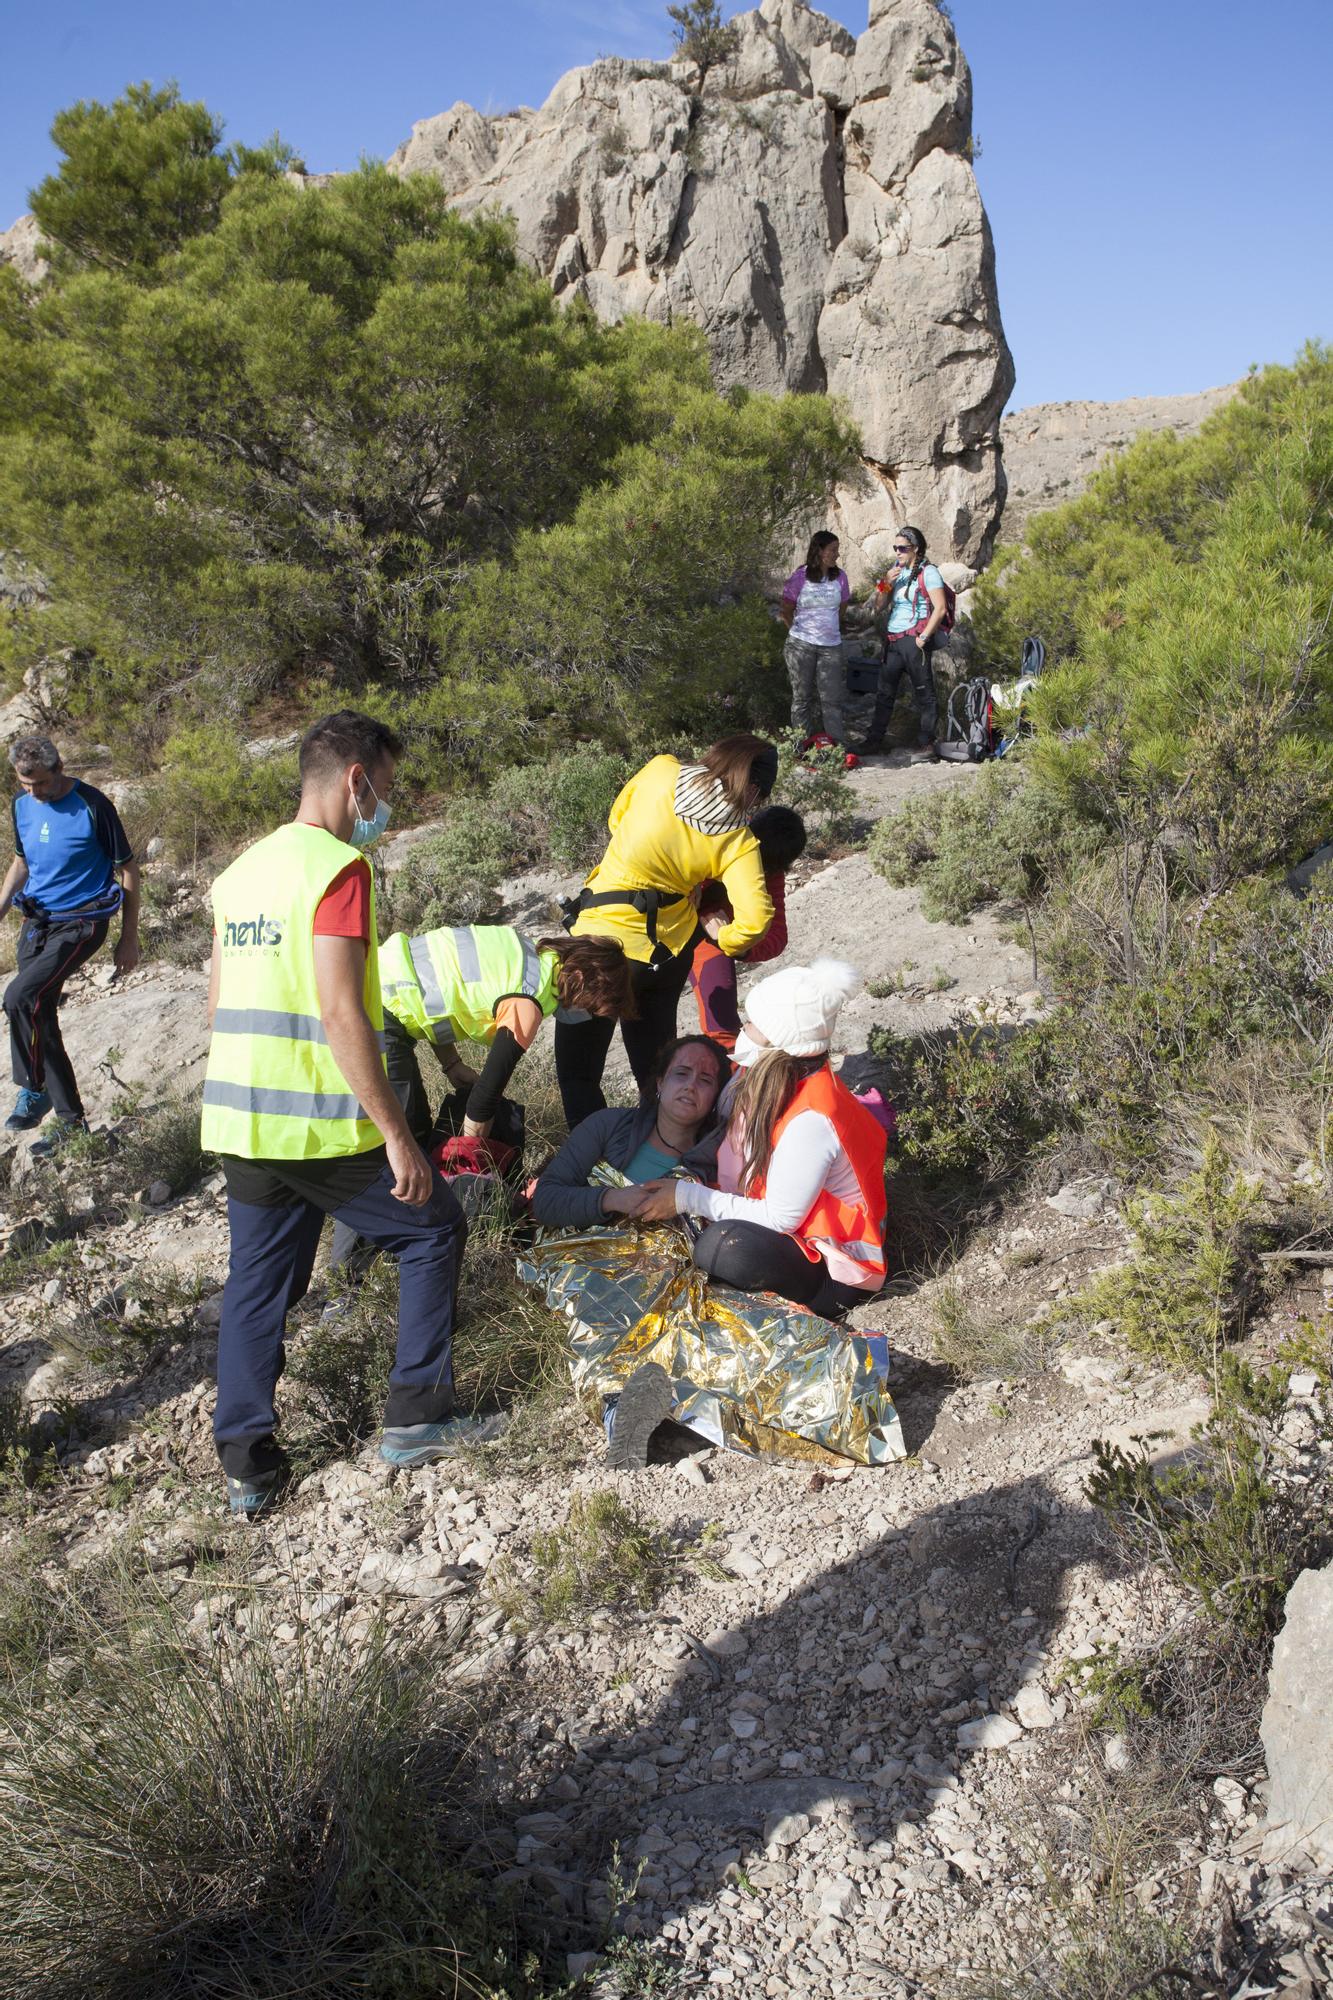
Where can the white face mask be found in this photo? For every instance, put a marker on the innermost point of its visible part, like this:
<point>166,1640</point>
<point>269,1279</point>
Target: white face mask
<point>747,1051</point>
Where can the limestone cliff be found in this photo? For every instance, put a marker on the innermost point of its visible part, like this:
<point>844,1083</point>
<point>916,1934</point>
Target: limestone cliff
<point>1051,450</point>
<point>815,212</point>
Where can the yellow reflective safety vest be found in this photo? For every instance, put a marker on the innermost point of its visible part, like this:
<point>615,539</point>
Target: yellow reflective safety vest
<point>272,1090</point>
<point>445,985</point>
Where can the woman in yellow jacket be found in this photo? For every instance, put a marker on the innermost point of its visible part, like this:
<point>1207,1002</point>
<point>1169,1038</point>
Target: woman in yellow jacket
<point>674,827</point>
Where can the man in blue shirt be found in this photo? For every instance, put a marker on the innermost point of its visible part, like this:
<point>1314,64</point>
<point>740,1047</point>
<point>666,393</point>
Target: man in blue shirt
<point>69,848</point>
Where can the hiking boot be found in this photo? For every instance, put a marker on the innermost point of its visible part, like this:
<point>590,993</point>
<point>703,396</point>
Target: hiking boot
<point>925,753</point>
<point>249,1498</point>
<point>30,1110</point>
<point>645,1402</point>
<point>58,1134</point>
<point>423,1444</point>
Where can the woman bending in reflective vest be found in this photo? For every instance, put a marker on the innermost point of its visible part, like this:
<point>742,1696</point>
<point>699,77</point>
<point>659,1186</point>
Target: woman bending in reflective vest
<point>487,983</point>
<point>800,1204</point>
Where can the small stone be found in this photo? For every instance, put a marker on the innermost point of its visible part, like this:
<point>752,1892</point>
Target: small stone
<point>874,1678</point>
<point>1233,1798</point>
<point>989,1732</point>
<point>642,1771</point>
<point>743,1725</point>
<point>565,1787</point>
<point>785,1829</point>
<point>578,1964</point>
<point>208,1313</point>
<point>1033,1709</point>
<point>839,1898</point>
<point>691,1472</point>
<point>727,1643</point>
<point>1302,1387</point>
<point>157,1194</point>
<point>53,1292</point>
<point>1115,1753</point>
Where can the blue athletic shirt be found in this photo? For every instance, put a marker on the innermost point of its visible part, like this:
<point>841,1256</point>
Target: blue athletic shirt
<point>73,847</point>
<point>908,604</point>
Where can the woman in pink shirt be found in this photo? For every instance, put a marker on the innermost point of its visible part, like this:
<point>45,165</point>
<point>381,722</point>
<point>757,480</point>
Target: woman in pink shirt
<point>813,598</point>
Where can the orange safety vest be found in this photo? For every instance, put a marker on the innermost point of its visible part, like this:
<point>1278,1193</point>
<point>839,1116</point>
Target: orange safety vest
<point>856,1227</point>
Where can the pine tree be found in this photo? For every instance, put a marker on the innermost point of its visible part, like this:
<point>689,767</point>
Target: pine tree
<point>702,37</point>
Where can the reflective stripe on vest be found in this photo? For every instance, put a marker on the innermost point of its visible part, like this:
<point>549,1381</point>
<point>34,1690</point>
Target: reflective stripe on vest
<point>273,1089</point>
<point>266,1021</point>
<point>261,1099</point>
<point>857,1228</point>
<point>446,984</point>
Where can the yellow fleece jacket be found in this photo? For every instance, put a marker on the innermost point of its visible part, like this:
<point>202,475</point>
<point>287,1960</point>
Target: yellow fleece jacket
<point>651,847</point>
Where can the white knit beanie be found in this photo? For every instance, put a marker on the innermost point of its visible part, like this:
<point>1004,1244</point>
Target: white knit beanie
<point>798,1008</point>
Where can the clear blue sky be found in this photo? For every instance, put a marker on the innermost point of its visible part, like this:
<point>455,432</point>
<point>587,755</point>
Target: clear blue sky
<point>1157,175</point>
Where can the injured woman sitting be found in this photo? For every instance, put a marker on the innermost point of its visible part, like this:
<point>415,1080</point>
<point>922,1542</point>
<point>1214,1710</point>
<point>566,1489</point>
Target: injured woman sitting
<point>705,1244</point>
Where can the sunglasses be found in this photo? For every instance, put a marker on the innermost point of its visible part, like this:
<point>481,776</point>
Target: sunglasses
<point>902,548</point>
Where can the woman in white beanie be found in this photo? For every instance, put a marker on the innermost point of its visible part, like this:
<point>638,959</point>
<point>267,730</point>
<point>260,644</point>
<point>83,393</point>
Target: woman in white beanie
<point>800,1205</point>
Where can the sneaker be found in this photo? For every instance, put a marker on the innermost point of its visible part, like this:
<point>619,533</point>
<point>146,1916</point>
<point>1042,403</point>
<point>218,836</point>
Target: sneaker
<point>645,1402</point>
<point>249,1498</point>
<point>422,1444</point>
<point>30,1110</point>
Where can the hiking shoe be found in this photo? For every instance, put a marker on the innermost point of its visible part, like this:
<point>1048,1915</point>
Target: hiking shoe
<point>58,1134</point>
<point>645,1402</point>
<point>422,1444</point>
<point>30,1110</point>
<point>249,1498</point>
<point>925,753</point>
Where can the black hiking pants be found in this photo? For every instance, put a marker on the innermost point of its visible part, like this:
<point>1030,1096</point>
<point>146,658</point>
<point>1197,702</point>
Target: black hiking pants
<point>583,1043</point>
<point>47,954</point>
<point>903,656</point>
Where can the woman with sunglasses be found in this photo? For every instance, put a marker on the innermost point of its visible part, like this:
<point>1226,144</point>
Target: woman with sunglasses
<point>917,606</point>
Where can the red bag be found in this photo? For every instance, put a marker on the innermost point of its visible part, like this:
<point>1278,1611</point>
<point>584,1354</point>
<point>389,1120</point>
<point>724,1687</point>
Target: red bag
<point>473,1156</point>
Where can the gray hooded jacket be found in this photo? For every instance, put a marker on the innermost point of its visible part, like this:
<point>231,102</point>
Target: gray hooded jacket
<point>562,1198</point>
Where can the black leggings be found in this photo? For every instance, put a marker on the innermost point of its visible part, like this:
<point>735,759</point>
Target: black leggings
<point>581,1047</point>
<point>903,656</point>
<point>751,1258</point>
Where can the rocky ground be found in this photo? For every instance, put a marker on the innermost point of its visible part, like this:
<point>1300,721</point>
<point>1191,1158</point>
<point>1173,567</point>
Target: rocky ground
<point>846,1754</point>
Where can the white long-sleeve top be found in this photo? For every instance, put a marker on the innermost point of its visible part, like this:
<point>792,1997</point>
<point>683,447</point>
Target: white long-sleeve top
<point>808,1158</point>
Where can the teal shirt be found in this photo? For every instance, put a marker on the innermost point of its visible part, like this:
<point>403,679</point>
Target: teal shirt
<point>650,1163</point>
<point>907,605</point>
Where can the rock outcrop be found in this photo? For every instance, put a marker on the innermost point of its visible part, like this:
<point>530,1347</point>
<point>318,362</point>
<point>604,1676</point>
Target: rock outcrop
<point>18,246</point>
<point>1295,1728</point>
<point>814,211</point>
<point>1052,449</point>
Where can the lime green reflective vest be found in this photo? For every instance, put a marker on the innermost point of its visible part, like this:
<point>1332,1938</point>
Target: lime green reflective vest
<point>445,985</point>
<point>272,1090</point>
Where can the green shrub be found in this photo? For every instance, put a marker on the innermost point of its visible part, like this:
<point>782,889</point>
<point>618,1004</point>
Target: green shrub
<point>603,1555</point>
<point>977,1345</point>
<point>582,789</point>
<point>1001,837</point>
<point>179,1818</point>
<point>211,796</point>
<point>454,876</point>
<point>1193,1274</point>
<point>1230,1521</point>
<point>816,784</point>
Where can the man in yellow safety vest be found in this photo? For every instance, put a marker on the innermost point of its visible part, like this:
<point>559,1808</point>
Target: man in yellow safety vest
<point>297,1103</point>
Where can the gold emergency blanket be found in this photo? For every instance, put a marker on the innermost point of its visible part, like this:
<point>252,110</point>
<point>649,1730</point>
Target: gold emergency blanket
<point>749,1371</point>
